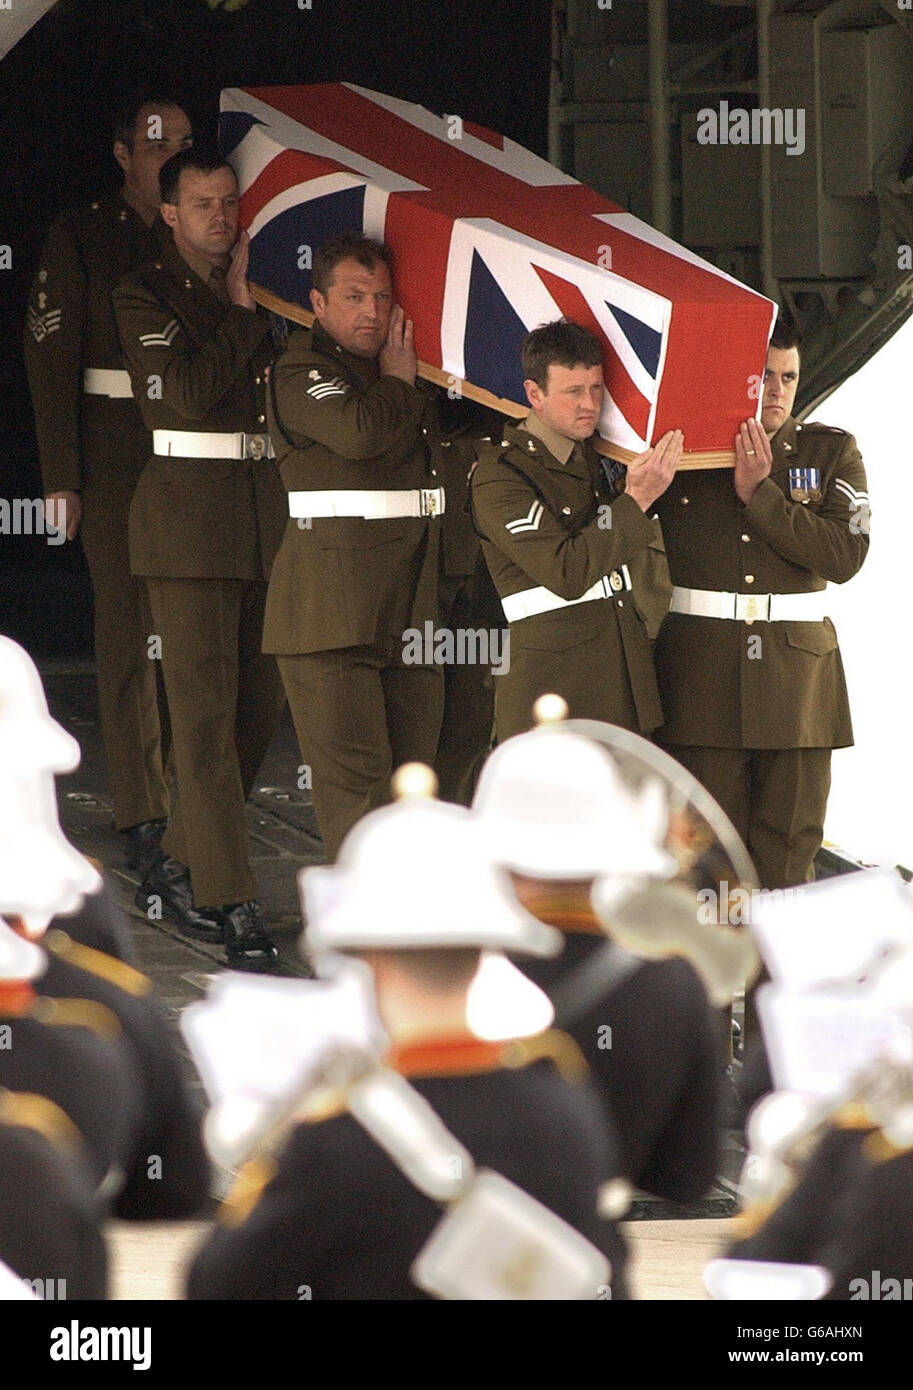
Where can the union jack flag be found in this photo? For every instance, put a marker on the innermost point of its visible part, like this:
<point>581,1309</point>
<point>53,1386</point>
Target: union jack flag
<point>489,241</point>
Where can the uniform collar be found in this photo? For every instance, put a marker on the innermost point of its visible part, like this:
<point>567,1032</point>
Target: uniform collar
<point>454,1055</point>
<point>785,443</point>
<point>557,454</point>
<point>128,197</point>
<point>212,276</point>
<point>558,445</point>
<point>365,368</point>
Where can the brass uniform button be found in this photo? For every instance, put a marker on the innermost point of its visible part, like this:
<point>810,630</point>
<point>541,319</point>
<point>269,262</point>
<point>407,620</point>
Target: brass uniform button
<point>749,579</point>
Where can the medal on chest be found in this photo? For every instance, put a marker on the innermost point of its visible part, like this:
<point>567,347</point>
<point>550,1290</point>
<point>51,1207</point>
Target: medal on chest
<point>805,484</point>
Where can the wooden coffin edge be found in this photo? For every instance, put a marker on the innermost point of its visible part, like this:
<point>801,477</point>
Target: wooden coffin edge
<point>722,458</point>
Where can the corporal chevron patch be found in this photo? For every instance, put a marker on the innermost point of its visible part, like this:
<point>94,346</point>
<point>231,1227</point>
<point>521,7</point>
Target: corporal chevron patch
<point>40,325</point>
<point>163,339</point>
<point>530,522</point>
<point>852,494</point>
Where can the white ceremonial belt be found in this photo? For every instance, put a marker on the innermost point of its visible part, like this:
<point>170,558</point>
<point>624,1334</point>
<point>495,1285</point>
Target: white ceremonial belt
<point>196,444</point>
<point>370,505</point>
<point>750,608</point>
<point>104,381</point>
<point>529,602</point>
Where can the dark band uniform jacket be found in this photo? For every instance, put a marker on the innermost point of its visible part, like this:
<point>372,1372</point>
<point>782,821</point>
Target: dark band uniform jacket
<point>198,363</point>
<point>850,1212</point>
<point>714,692</point>
<point>72,1051</point>
<point>49,1216</point>
<point>340,1219</point>
<point>660,1075</point>
<point>92,440</point>
<point>549,518</point>
<point>338,425</point>
<point>170,1120</point>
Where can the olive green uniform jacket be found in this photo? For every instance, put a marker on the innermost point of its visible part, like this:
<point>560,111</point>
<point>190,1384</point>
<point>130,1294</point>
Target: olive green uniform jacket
<point>561,526</point>
<point>198,363</point>
<point>96,444</point>
<point>338,425</point>
<point>729,684</point>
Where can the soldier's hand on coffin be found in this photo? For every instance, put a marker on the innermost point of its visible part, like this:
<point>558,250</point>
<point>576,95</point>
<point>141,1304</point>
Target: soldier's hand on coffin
<point>63,509</point>
<point>236,275</point>
<point>753,458</point>
<point>397,356</point>
<point>652,471</point>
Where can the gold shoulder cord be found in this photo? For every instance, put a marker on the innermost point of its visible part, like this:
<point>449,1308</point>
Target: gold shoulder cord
<point>27,1110</point>
<point>556,1046</point>
<point>76,1013</point>
<point>97,963</point>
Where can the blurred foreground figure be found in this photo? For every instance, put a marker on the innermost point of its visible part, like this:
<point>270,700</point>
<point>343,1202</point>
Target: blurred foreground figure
<point>80,1028</point>
<point>600,816</point>
<point>344,1199</point>
<point>828,1183</point>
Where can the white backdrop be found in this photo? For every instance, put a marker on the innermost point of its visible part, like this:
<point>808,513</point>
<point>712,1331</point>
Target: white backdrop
<point>870,813</point>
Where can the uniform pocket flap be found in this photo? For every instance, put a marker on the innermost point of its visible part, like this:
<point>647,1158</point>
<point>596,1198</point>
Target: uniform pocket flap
<point>819,638</point>
<point>558,630</point>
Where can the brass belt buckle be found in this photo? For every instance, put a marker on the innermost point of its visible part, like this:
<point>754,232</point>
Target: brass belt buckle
<point>429,504</point>
<point>256,446</point>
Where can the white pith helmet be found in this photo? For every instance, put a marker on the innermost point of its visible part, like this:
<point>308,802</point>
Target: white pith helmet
<point>417,873</point>
<point>28,735</point>
<point>552,805</point>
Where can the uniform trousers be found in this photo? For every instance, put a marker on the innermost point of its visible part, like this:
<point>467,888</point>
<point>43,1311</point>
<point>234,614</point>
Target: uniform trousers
<point>225,698</point>
<point>776,799</point>
<point>359,713</point>
<point>132,707</point>
<point>469,697</point>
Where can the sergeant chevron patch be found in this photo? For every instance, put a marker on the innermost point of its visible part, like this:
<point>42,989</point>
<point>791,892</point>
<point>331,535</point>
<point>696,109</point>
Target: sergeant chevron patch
<point>530,522</point>
<point>163,339</point>
<point>41,325</point>
<point>321,389</point>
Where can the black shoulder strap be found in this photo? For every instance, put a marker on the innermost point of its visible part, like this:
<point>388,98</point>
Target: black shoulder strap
<point>592,980</point>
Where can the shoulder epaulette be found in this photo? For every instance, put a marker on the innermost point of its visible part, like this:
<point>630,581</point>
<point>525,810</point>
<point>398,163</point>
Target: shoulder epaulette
<point>106,967</point>
<point>76,1013</point>
<point>555,1046</point>
<point>825,429</point>
<point>754,1217</point>
<point>879,1148</point>
<point>246,1190</point>
<point>27,1110</point>
<point>853,1115</point>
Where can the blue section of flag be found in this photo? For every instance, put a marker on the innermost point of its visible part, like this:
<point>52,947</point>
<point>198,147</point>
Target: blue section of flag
<point>276,249</point>
<point>494,335</point>
<point>233,126</point>
<point>645,341</point>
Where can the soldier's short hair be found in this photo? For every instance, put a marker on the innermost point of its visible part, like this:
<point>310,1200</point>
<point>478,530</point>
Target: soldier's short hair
<point>205,159</point>
<point>785,336</point>
<point>349,246</point>
<point>562,343</point>
<point>124,128</point>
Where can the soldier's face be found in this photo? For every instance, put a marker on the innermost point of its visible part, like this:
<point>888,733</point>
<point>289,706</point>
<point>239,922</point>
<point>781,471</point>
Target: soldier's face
<point>781,377</point>
<point>356,308</point>
<point>205,217</point>
<point>572,401</point>
<point>160,132</point>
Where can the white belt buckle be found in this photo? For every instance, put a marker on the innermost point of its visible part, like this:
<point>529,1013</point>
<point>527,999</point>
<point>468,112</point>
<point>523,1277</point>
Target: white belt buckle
<point>430,501</point>
<point>752,608</point>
